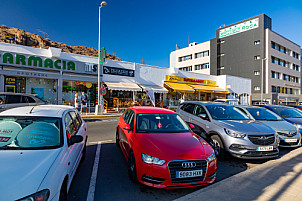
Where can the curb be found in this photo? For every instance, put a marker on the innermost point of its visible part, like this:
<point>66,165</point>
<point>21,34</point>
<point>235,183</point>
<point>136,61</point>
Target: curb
<point>219,186</point>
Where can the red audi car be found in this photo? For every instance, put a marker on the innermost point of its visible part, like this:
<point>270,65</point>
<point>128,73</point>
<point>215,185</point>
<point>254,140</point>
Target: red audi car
<point>162,151</point>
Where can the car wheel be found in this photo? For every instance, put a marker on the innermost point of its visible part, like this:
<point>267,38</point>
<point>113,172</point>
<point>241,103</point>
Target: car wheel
<point>117,138</point>
<point>132,168</point>
<point>218,146</point>
<point>63,192</point>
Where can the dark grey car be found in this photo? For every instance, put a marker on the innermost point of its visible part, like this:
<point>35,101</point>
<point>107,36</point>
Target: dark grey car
<point>229,129</point>
<point>11,100</point>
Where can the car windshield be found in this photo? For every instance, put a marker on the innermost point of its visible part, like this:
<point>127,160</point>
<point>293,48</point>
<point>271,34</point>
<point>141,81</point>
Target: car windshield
<point>225,112</point>
<point>288,112</point>
<point>160,123</point>
<point>263,114</point>
<point>18,132</point>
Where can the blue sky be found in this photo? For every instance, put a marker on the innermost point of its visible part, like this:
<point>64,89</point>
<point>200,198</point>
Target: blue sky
<point>137,29</point>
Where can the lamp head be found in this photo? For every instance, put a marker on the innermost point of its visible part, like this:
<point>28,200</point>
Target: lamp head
<point>103,4</point>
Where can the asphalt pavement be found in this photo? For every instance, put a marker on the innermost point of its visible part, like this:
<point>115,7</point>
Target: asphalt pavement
<point>112,182</point>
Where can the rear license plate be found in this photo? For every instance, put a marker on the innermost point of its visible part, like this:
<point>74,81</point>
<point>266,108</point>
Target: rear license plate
<point>290,140</point>
<point>268,148</point>
<point>186,174</point>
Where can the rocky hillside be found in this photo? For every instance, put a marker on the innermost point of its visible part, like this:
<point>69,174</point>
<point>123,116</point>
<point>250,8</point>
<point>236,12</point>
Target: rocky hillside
<point>22,37</point>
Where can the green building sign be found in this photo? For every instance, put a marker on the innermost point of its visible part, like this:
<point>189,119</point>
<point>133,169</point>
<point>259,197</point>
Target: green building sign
<point>238,28</point>
<point>35,61</point>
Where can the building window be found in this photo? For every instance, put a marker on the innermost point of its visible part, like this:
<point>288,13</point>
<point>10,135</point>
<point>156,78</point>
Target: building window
<point>188,68</point>
<point>257,88</point>
<point>257,57</point>
<point>185,58</point>
<point>257,42</point>
<point>273,45</point>
<point>201,54</point>
<point>256,72</point>
<point>202,66</point>
<point>274,89</point>
<point>273,74</point>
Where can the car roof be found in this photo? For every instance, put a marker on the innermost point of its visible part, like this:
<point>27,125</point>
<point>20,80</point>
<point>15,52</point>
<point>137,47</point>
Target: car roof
<point>11,93</point>
<point>206,103</point>
<point>149,109</point>
<point>248,106</point>
<point>39,110</point>
<point>275,106</point>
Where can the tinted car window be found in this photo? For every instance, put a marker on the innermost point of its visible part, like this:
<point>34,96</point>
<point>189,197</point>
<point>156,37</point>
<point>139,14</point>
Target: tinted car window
<point>2,99</point>
<point>125,116</point>
<point>131,120</point>
<point>70,127</point>
<point>11,99</point>
<point>189,108</point>
<point>23,99</point>
<point>199,110</point>
<point>75,120</point>
<point>225,112</point>
<point>288,112</point>
<point>30,99</point>
<point>263,114</point>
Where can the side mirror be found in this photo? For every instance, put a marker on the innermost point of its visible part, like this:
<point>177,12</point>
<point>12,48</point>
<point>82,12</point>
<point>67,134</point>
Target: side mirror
<point>75,139</point>
<point>127,127</point>
<point>191,126</point>
<point>203,116</point>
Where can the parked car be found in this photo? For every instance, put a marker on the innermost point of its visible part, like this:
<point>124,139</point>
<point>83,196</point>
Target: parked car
<point>227,101</point>
<point>40,149</point>
<point>289,114</point>
<point>230,130</point>
<point>162,151</point>
<point>299,107</point>
<point>289,135</point>
<point>11,100</point>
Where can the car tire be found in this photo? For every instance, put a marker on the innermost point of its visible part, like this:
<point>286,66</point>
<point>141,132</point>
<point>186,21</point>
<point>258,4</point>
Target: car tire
<point>117,139</point>
<point>218,146</point>
<point>132,168</point>
<point>63,192</point>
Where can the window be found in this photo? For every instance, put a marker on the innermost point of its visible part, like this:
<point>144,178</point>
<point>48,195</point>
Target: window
<point>206,53</point>
<point>199,110</point>
<point>273,45</point>
<point>23,99</point>
<point>256,72</point>
<point>189,108</point>
<point>12,99</point>
<point>198,67</point>
<point>257,42</point>
<point>2,99</point>
<point>70,127</point>
<point>30,100</point>
<point>201,54</point>
<point>257,57</point>
<point>257,88</point>
<point>273,74</point>
<point>274,89</point>
<point>76,121</point>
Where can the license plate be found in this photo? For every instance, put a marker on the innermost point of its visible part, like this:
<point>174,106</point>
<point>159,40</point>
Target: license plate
<point>186,174</point>
<point>268,148</point>
<point>291,140</point>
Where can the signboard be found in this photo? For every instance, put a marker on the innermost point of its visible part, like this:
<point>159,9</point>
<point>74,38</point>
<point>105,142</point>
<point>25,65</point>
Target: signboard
<point>103,55</point>
<point>90,67</point>
<point>36,61</point>
<point>118,71</point>
<point>238,28</point>
<point>10,84</point>
<point>189,80</point>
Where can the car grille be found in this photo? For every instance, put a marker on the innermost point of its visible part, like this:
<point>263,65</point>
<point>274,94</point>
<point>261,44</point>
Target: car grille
<point>262,139</point>
<point>289,134</point>
<point>175,166</point>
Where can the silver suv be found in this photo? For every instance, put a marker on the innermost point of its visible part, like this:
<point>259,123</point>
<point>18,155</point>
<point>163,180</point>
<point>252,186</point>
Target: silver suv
<point>11,100</point>
<point>230,130</point>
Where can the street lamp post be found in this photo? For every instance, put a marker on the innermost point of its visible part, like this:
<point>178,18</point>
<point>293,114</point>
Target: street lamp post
<point>100,102</point>
<point>261,95</point>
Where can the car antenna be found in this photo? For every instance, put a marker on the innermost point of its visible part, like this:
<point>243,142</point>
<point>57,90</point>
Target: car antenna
<point>32,109</point>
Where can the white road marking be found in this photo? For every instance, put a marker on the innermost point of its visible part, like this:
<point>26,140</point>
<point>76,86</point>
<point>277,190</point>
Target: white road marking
<point>91,191</point>
<point>102,142</point>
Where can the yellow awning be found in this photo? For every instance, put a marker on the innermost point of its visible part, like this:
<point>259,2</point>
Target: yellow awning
<point>179,87</point>
<point>204,88</point>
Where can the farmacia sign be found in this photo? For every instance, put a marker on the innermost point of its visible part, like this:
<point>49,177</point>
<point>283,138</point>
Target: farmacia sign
<point>35,61</point>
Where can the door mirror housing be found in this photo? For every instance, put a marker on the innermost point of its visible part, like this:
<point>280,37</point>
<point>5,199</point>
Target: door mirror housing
<point>127,127</point>
<point>75,139</point>
<point>203,116</point>
<point>191,126</point>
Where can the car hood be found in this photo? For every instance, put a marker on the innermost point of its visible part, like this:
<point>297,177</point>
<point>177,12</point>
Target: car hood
<point>294,120</point>
<point>23,171</point>
<point>174,146</point>
<point>280,126</point>
<point>245,126</point>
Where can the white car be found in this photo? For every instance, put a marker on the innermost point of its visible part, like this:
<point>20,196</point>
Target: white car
<point>40,150</point>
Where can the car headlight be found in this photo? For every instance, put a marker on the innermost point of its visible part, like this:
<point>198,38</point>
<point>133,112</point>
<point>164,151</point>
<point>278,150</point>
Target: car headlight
<point>39,196</point>
<point>234,133</point>
<point>211,158</point>
<point>299,126</point>
<point>152,160</point>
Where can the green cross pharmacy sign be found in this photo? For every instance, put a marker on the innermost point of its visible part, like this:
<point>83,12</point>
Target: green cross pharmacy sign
<point>238,28</point>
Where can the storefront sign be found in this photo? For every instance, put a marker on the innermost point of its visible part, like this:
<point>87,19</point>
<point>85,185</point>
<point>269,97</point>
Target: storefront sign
<point>36,61</point>
<point>91,67</point>
<point>118,71</point>
<point>189,80</point>
<point>238,28</point>
<point>31,74</point>
<point>10,84</point>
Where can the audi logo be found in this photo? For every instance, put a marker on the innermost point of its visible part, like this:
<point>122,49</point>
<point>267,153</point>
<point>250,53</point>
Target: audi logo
<point>188,164</point>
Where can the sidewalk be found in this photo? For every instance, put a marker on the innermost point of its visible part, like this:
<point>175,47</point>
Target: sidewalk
<point>279,179</point>
<point>106,115</point>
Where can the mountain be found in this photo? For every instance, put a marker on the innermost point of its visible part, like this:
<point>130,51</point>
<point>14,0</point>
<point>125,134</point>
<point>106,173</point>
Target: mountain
<point>21,37</point>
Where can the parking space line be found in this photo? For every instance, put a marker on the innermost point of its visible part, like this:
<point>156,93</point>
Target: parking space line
<point>91,191</point>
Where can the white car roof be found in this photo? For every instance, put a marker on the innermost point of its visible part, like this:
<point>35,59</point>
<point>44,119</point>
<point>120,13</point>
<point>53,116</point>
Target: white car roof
<point>39,110</point>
